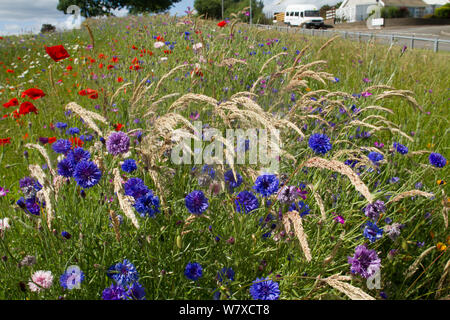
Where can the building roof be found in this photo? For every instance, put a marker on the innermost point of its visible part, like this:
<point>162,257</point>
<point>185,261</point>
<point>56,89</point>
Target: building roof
<point>405,3</point>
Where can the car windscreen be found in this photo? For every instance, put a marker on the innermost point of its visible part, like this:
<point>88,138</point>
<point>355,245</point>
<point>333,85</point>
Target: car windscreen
<point>312,13</point>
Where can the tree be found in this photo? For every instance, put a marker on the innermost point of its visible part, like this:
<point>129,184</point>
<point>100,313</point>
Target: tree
<point>213,9</point>
<point>91,8</point>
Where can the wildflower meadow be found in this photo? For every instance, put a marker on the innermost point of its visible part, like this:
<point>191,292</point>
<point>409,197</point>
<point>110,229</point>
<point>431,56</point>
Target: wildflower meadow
<point>119,179</point>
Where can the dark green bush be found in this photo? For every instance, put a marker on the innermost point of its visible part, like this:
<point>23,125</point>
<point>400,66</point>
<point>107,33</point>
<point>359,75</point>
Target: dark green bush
<point>443,12</point>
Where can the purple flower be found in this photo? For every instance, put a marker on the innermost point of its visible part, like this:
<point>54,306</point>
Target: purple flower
<point>114,292</point>
<point>320,143</point>
<point>364,262</point>
<point>246,202</point>
<point>373,210</point>
<point>288,194</point>
<point>266,184</point>
<point>118,143</point>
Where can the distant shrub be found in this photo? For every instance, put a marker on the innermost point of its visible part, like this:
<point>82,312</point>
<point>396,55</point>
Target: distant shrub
<point>47,28</point>
<point>394,12</point>
<point>443,12</point>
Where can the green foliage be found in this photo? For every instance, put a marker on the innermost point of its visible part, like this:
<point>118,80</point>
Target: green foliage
<point>213,9</point>
<point>91,8</point>
<point>394,12</point>
<point>443,12</point>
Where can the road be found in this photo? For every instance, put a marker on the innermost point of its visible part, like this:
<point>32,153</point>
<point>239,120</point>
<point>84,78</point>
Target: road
<point>441,32</point>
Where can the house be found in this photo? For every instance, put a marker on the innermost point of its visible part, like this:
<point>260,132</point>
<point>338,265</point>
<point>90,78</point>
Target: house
<point>357,10</point>
<point>433,5</point>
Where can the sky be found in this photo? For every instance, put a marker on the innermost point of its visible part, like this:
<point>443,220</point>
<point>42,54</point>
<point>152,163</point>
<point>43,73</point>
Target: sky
<point>25,16</point>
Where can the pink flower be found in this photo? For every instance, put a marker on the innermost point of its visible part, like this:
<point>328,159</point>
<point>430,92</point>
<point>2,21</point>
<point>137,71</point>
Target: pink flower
<point>366,94</point>
<point>367,80</point>
<point>3,192</point>
<point>4,224</point>
<point>40,280</point>
<point>339,219</point>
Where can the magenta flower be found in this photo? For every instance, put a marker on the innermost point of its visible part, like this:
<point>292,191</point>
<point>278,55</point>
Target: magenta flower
<point>337,218</point>
<point>367,80</point>
<point>3,192</point>
<point>366,94</point>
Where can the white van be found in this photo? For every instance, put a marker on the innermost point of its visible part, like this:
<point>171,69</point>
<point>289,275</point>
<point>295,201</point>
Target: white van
<point>304,15</point>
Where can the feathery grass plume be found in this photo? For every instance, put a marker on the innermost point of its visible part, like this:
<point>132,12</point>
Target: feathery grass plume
<point>58,182</point>
<point>164,77</point>
<point>118,91</point>
<point>91,35</point>
<point>44,153</point>
<point>341,168</point>
<point>124,201</point>
<point>138,92</point>
<point>410,193</point>
<point>326,44</point>
<point>299,56</point>
<point>296,220</point>
<point>230,62</point>
<point>246,94</point>
<point>184,100</point>
<point>87,116</point>
<point>162,99</point>
<point>445,208</point>
<point>379,108</point>
<point>50,78</point>
<point>319,201</point>
<point>413,268</point>
<point>379,86</point>
<point>335,249</point>
<point>37,172</point>
<point>252,89</point>
<point>270,59</point>
<point>115,224</point>
<point>442,279</point>
<point>400,93</point>
<point>350,291</point>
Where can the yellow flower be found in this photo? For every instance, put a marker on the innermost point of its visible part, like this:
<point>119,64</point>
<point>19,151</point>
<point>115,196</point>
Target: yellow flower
<point>441,247</point>
<point>308,89</point>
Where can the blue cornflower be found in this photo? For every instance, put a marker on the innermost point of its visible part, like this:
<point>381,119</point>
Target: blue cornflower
<point>209,170</point>
<point>265,289</point>
<point>129,165</point>
<point>225,274</point>
<point>123,273</point>
<point>400,148</point>
<point>72,278</point>
<point>114,292</point>
<point>437,160</point>
<point>66,235</point>
<point>135,187</point>
<point>87,174</point>
<point>66,168</point>
<point>301,207</point>
<point>61,146</point>
<point>61,125</point>
<point>147,205</point>
<point>196,202</point>
<point>87,137</point>
<point>375,157</point>
<point>193,271</point>
<point>320,143</point>
<point>135,292</point>
<point>246,202</point>
<point>230,181</point>
<point>72,131</point>
<point>29,187</point>
<point>77,155</point>
<point>33,207</point>
<point>372,232</point>
<point>266,184</point>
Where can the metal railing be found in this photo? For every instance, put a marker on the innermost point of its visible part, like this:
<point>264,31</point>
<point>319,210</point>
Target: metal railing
<point>391,38</point>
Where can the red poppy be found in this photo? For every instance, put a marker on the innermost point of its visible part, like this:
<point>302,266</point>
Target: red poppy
<point>114,59</point>
<point>110,66</point>
<point>118,126</point>
<point>101,56</point>
<point>135,67</point>
<point>5,141</point>
<point>135,60</point>
<point>10,71</point>
<point>51,140</point>
<point>27,107</point>
<point>159,38</point>
<point>76,142</point>
<point>57,53</point>
<point>100,65</point>
<point>92,94</point>
<point>33,93</point>
<point>222,24</point>
<point>69,68</point>
<point>119,79</point>
<point>11,103</point>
